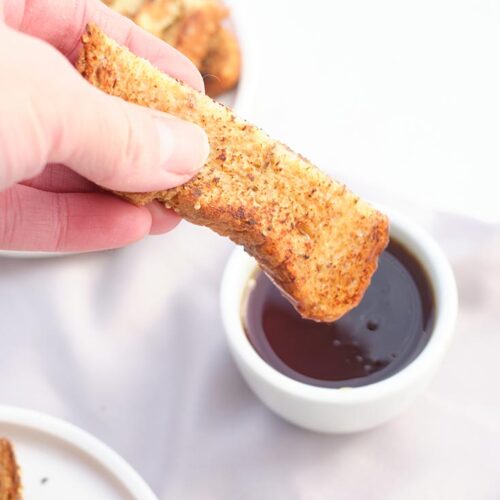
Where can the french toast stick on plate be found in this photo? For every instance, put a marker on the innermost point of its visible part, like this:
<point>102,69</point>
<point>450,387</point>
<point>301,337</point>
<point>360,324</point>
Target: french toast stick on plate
<point>10,482</point>
<point>315,239</point>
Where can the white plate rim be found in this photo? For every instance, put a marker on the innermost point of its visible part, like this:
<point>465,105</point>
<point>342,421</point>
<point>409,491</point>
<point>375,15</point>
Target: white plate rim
<point>82,440</point>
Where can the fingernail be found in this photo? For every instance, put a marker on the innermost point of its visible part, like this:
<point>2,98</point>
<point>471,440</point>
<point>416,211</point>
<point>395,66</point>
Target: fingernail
<point>184,146</point>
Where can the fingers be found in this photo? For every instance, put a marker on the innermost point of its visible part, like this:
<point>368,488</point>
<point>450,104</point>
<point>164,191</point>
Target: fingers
<point>57,178</point>
<point>60,179</point>
<point>124,147</point>
<point>163,220</point>
<point>62,23</point>
<point>38,220</point>
<point>63,119</point>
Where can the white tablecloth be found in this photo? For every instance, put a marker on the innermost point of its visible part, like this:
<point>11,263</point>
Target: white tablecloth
<point>129,344</point>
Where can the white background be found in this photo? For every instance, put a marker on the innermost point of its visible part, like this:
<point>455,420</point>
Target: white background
<point>403,94</point>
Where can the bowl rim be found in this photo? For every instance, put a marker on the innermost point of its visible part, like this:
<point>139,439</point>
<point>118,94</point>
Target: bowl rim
<point>438,269</point>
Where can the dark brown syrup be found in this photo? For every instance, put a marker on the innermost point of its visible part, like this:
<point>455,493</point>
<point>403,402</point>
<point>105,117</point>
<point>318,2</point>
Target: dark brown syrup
<point>382,335</point>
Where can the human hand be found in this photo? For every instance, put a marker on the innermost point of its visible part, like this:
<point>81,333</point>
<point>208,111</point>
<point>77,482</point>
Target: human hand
<point>59,135</point>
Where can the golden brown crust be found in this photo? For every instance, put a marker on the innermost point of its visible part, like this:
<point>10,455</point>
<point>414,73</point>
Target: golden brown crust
<point>222,64</point>
<point>158,16</point>
<point>10,482</point>
<point>125,7</point>
<point>194,27</point>
<point>193,33</point>
<point>313,237</point>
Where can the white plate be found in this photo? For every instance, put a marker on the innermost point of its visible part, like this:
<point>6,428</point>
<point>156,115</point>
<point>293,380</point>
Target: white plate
<point>30,255</point>
<point>60,461</point>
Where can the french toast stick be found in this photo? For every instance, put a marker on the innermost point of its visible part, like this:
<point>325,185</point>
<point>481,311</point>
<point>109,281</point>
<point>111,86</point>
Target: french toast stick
<point>193,33</point>
<point>197,28</point>
<point>315,239</point>
<point>221,66</point>
<point>10,482</point>
<point>158,16</point>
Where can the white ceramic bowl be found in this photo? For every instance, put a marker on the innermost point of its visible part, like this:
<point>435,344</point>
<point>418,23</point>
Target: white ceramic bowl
<point>346,409</point>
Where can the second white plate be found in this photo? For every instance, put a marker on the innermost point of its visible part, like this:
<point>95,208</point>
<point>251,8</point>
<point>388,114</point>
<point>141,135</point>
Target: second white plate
<point>60,461</point>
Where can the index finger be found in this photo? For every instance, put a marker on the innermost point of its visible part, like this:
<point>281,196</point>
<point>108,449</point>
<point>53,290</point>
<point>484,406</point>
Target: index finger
<point>62,23</point>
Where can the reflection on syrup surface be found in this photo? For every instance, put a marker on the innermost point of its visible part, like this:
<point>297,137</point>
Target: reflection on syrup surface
<point>376,339</point>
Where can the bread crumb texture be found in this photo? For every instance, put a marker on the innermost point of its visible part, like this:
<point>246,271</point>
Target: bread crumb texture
<point>314,238</point>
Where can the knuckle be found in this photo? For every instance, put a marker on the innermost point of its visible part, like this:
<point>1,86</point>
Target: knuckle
<point>126,153</point>
<point>130,154</point>
<point>23,145</point>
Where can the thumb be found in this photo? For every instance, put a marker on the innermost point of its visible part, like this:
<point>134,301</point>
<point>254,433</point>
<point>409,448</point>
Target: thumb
<point>123,146</point>
<point>57,117</point>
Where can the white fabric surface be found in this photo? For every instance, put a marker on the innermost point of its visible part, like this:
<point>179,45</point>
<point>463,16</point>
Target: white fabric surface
<point>129,344</point>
